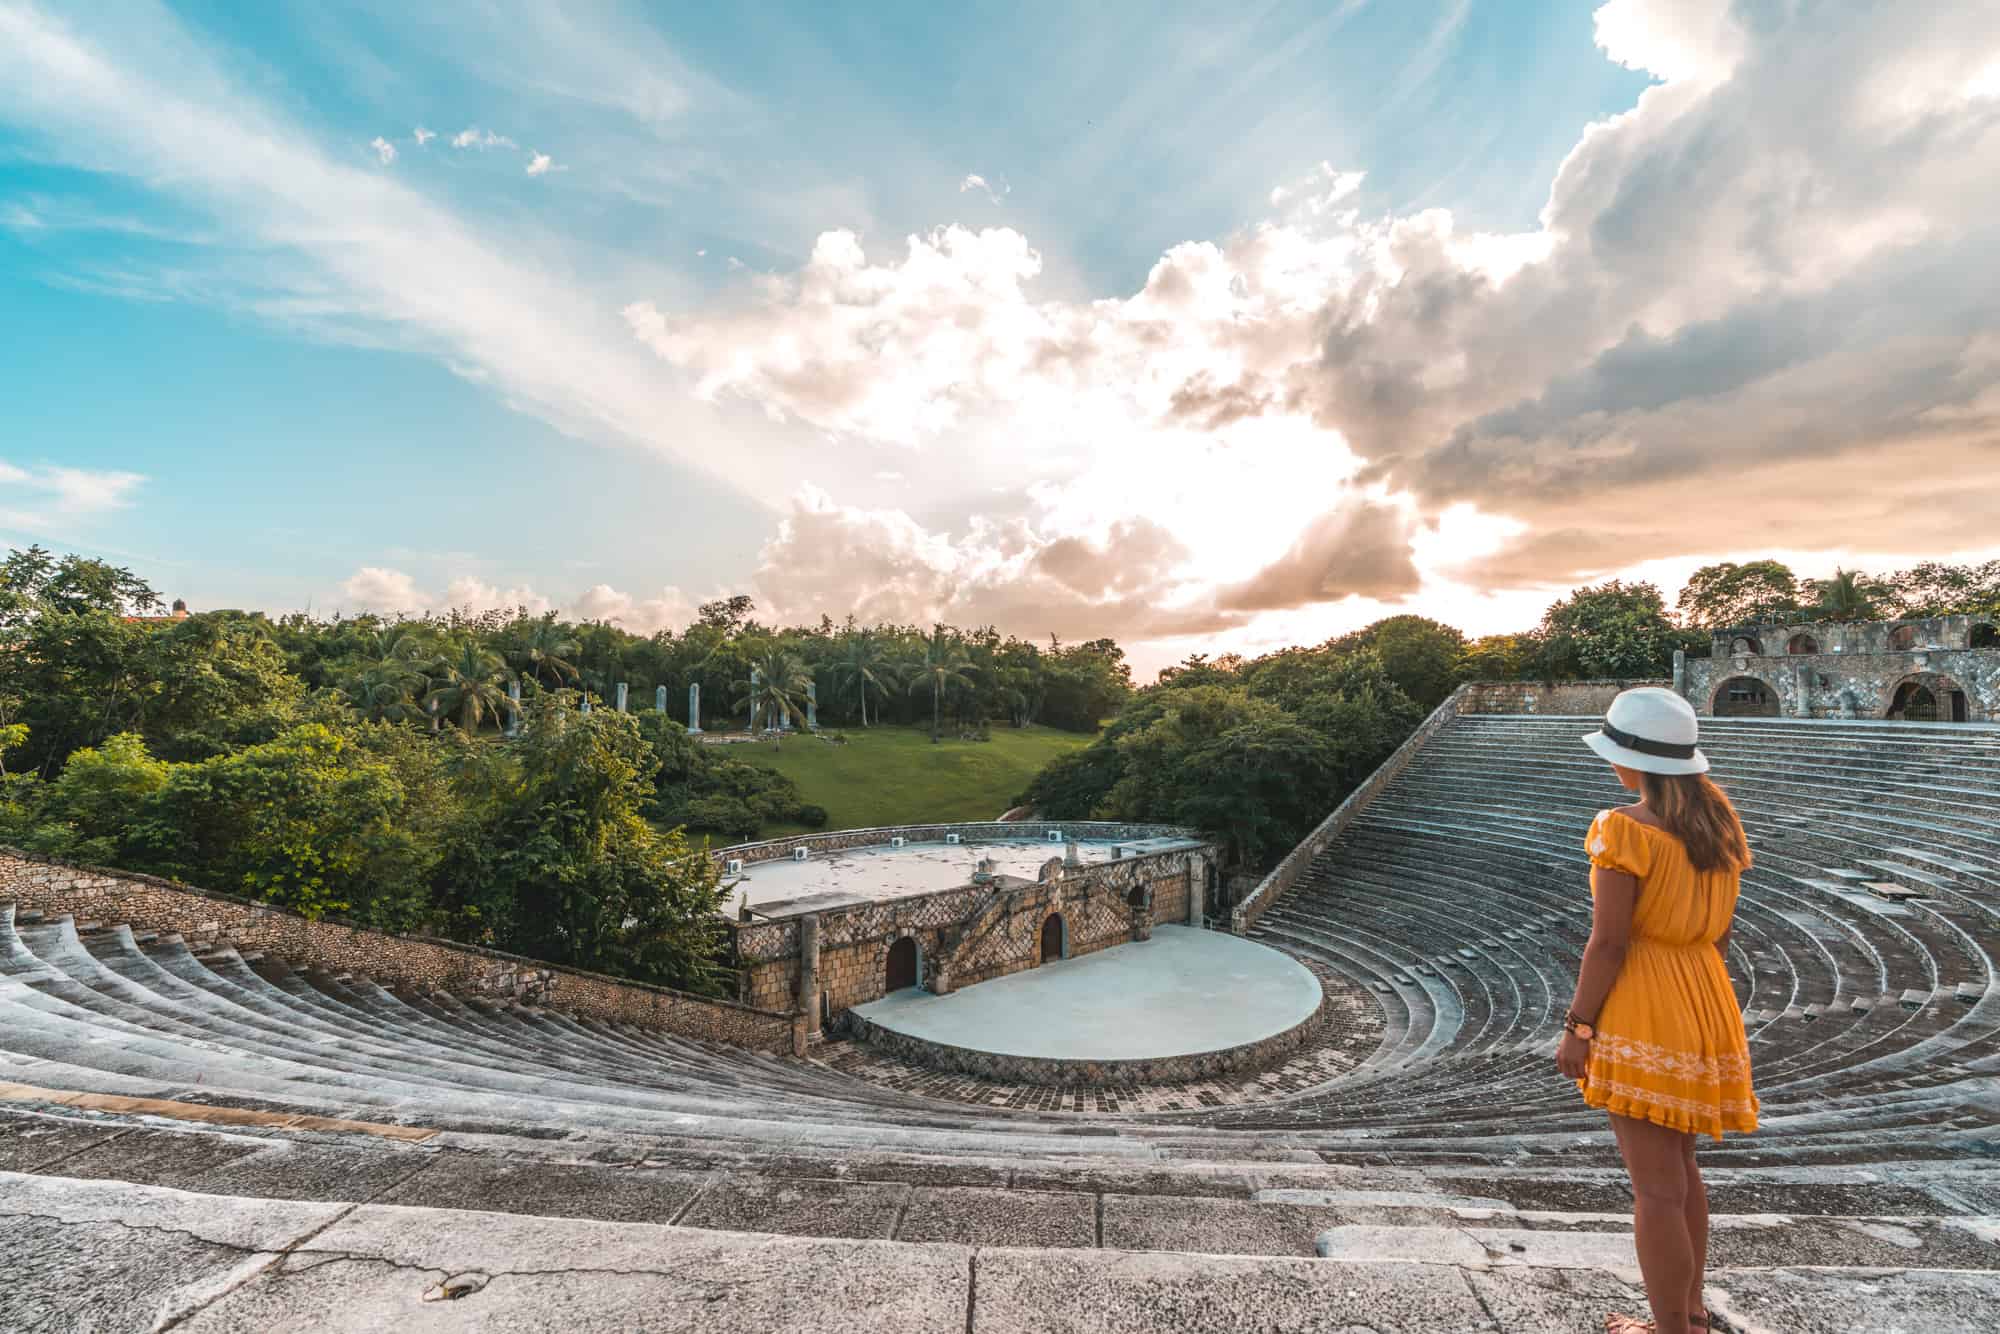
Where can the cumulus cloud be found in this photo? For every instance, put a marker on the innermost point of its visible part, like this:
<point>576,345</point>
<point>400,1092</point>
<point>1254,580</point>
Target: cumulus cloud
<point>974,181</point>
<point>1362,550</point>
<point>376,588</point>
<point>539,163</point>
<point>385,152</point>
<point>667,610</point>
<point>391,591</point>
<point>423,136</point>
<point>474,137</point>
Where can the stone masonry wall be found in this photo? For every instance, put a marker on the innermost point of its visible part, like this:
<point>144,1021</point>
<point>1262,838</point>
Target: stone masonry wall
<point>1559,698</point>
<point>968,934</point>
<point>1854,685</point>
<point>400,962</point>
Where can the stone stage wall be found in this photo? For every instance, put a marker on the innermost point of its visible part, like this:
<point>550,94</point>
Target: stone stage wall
<point>1584,698</point>
<point>826,963</point>
<point>840,840</point>
<point>417,964</point>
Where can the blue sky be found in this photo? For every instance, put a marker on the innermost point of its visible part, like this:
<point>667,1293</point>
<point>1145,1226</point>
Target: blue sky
<point>1202,324</point>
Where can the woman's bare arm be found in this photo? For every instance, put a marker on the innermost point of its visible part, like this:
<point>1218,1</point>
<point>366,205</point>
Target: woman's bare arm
<point>1615,893</point>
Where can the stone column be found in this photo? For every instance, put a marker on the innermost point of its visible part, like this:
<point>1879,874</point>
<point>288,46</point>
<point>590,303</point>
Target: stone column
<point>514,707</point>
<point>1805,687</point>
<point>622,688</point>
<point>585,707</point>
<point>659,699</point>
<point>812,706</point>
<point>756,679</point>
<point>809,970</point>
<point>694,706</point>
<point>1681,672</point>
<point>1197,890</point>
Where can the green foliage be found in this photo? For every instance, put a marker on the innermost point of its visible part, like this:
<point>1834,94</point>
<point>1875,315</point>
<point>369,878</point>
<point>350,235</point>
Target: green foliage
<point>1727,594</point>
<point>36,580</point>
<point>1499,658</point>
<point>1254,753</point>
<point>1939,589</point>
<point>1611,630</point>
<point>1422,656</point>
<point>1850,596</point>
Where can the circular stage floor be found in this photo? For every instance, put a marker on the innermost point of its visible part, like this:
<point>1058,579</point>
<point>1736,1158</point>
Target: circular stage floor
<point>1186,1004</point>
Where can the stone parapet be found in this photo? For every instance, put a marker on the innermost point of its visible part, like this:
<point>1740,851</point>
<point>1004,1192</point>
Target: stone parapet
<point>1548,698</point>
<point>840,840</point>
<point>419,964</point>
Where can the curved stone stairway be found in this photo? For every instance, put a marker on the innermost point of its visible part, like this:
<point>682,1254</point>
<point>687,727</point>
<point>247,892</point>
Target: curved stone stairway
<point>220,1142</point>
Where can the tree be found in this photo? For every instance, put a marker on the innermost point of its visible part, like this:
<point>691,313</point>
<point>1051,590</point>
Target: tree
<point>1935,588</point>
<point>1760,592</point>
<point>945,665</point>
<point>36,578</point>
<point>1498,657</point>
<point>864,663</point>
<point>467,681</point>
<point>1612,630</point>
<point>1420,655</point>
<point>541,650</point>
<point>777,687</point>
<point>1850,596</point>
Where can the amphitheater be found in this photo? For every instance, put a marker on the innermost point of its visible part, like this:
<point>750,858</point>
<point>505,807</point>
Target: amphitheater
<point>194,1136</point>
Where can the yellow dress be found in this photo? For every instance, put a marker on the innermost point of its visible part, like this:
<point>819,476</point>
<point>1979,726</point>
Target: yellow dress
<point>1670,1046</point>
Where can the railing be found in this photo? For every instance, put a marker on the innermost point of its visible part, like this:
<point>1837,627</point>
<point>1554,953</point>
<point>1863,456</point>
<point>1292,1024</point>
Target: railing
<point>1286,873</point>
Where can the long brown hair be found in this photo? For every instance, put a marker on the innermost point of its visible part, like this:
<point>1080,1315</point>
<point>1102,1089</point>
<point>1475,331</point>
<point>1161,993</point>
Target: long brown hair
<point>1698,813</point>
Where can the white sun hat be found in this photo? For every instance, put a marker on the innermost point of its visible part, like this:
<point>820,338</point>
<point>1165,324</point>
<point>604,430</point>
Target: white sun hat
<point>1650,729</point>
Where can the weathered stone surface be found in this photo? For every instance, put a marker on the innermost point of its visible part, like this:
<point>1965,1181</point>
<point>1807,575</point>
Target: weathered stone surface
<point>217,1164</point>
<point>32,1141</point>
<point>384,1268</point>
<point>1212,1227</point>
<point>1828,1302</point>
<point>1000,1218</point>
<point>1072,1292</point>
<point>807,1208</point>
<point>554,1190</point>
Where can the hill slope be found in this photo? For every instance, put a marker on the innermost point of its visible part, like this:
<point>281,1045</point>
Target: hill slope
<point>894,775</point>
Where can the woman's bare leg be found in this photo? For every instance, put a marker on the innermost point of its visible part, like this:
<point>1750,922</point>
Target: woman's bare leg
<point>1656,1159</point>
<point>1697,1225</point>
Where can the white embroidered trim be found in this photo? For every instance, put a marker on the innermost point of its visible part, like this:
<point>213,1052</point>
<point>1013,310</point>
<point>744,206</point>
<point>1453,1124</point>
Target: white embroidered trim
<point>1688,1066</point>
<point>1702,1110</point>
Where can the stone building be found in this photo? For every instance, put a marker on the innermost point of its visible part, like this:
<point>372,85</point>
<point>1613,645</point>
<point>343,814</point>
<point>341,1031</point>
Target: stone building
<point>1940,669</point>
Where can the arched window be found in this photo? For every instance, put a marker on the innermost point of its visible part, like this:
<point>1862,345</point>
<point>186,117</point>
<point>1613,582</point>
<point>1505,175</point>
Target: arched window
<point>1984,636</point>
<point>1802,643</point>
<point>903,969</point>
<point>1743,646</point>
<point>1055,938</point>
<point>1745,697</point>
<point>1137,898</point>
<point>1902,639</point>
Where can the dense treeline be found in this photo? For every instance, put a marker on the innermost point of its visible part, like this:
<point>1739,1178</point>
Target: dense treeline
<point>1258,751</point>
<point>365,767</point>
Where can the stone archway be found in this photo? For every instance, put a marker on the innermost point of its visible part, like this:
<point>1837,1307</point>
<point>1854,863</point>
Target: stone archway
<point>1929,697</point>
<point>1137,898</point>
<point>905,967</point>
<point>1746,646</point>
<point>1985,635</point>
<point>1745,697</point>
<point>1055,938</point>
<point>1902,638</point>
<point>1800,643</point>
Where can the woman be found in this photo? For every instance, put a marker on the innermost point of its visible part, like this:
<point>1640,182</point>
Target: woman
<point>1654,1035</point>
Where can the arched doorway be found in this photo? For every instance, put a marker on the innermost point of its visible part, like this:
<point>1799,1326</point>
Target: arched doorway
<point>1744,697</point>
<point>1745,646</point>
<point>1903,638</point>
<point>1055,938</point>
<point>902,965</point>
<point>1914,702</point>
<point>1802,643</point>
<point>1137,898</point>
<point>1984,636</point>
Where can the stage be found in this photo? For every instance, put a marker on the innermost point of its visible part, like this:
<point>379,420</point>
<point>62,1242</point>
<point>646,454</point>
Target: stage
<point>1187,1004</point>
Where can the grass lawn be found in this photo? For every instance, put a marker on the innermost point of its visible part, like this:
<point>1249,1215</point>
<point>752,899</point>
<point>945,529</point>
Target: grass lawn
<point>894,775</point>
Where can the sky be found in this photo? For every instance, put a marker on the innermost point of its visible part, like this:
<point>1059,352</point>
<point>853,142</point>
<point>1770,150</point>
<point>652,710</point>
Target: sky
<point>1210,328</point>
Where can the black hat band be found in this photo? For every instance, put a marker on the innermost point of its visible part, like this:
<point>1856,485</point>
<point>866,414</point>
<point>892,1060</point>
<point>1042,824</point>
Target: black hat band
<point>1667,750</point>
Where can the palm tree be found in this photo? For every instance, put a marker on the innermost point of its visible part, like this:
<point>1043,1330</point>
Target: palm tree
<point>779,679</point>
<point>542,651</point>
<point>385,691</point>
<point>1848,596</point>
<point>468,681</point>
<point>865,662</point>
<point>945,664</point>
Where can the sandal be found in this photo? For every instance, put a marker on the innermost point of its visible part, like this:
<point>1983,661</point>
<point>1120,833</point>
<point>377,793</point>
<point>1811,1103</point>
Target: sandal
<point>1619,1323</point>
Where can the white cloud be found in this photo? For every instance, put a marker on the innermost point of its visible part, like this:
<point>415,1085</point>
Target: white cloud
<point>973,181</point>
<point>423,136</point>
<point>52,498</point>
<point>473,137</point>
<point>539,163</point>
<point>374,588</point>
<point>667,610</point>
<point>385,151</point>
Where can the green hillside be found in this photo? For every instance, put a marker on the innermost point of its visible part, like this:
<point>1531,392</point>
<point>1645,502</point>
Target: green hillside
<point>894,775</point>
